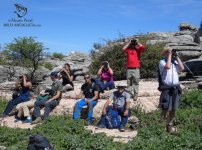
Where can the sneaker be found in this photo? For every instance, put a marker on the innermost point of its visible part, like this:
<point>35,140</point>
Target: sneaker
<point>135,98</point>
<point>37,120</point>
<point>101,126</point>
<point>27,121</point>
<point>121,129</point>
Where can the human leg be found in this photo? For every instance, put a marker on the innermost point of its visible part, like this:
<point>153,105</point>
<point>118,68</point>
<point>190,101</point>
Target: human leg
<point>91,105</point>
<point>49,107</point>
<point>77,108</point>
<point>11,104</point>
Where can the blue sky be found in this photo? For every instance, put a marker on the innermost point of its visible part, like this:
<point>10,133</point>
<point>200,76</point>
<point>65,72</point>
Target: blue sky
<point>74,25</point>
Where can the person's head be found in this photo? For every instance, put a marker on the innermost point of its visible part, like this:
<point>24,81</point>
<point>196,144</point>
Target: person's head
<point>166,51</point>
<point>134,43</point>
<point>26,77</point>
<point>66,66</point>
<point>105,65</point>
<point>54,76</point>
<point>121,87</point>
<point>87,78</point>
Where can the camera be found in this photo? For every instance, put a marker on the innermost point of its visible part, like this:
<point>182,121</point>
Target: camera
<point>174,53</point>
<point>105,64</point>
<point>134,42</point>
<point>20,77</point>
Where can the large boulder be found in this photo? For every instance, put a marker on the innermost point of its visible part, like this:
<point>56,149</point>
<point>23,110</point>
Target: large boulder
<point>195,65</point>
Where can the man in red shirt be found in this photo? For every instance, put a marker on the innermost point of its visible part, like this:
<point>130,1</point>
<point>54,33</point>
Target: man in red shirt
<point>133,50</point>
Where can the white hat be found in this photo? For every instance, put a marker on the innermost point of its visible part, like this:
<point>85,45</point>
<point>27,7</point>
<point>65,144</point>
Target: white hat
<point>121,84</point>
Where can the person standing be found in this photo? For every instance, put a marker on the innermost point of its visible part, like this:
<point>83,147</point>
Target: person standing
<point>169,85</point>
<point>133,50</point>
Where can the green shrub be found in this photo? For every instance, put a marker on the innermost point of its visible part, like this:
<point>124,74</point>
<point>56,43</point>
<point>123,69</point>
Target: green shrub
<point>192,99</point>
<point>58,55</point>
<point>48,66</point>
<point>65,133</point>
<point>114,54</point>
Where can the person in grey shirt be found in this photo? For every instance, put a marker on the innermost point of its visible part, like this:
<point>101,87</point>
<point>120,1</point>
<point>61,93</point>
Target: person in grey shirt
<point>120,103</point>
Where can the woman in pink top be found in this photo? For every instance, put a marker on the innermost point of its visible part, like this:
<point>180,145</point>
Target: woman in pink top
<point>106,77</point>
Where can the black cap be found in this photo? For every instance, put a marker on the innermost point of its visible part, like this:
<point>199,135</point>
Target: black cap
<point>54,74</point>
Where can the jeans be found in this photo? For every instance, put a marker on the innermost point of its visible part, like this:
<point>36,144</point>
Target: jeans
<point>39,104</point>
<point>109,84</point>
<point>124,119</point>
<point>78,106</point>
<point>12,103</point>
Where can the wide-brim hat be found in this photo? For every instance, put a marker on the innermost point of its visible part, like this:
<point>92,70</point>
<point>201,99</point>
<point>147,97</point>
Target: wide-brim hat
<point>121,85</point>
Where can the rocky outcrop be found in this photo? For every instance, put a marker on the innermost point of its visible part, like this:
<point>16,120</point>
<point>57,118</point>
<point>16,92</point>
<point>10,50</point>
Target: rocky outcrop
<point>186,42</point>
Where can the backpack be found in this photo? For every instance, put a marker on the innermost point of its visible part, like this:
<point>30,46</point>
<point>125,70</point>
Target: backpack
<point>38,142</point>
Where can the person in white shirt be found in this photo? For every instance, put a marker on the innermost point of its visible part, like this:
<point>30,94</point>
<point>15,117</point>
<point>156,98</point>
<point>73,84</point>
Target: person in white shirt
<point>169,67</point>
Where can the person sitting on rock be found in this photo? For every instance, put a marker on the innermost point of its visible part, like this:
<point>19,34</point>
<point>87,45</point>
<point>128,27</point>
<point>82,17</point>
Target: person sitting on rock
<point>90,93</point>
<point>106,77</point>
<point>49,103</point>
<point>22,94</point>
<point>67,78</point>
<point>25,107</point>
<point>119,111</point>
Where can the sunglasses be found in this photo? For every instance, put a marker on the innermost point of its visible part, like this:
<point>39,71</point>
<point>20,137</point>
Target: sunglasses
<point>86,77</point>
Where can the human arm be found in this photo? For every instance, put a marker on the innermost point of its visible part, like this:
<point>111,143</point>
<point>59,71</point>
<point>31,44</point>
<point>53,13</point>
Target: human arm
<point>181,66</point>
<point>126,45</point>
<point>100,70</point>
<point>127,108</point>
<point>80,95</point>
<point>57,96</point>
<point>96,95</point>
<point>26,83</point>
<point>168,63</point>
<point>111,71</point>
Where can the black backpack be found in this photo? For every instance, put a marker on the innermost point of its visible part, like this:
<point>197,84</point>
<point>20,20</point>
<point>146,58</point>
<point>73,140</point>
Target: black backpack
<point>38,142</point>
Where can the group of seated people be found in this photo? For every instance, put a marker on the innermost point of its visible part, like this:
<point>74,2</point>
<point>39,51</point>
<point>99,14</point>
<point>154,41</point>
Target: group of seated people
<point>88,96</point>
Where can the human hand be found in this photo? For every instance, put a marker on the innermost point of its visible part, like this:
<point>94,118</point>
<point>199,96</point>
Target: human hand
<point>104,112</point>
<point>125,113</point>
<point>87,101</point>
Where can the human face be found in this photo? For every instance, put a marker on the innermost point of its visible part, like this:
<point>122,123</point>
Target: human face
<point>66,67</point>
<point>121,89</point>
<point>87,78</point>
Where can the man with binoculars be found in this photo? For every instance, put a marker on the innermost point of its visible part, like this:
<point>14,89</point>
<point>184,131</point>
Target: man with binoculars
<point>133,50</point>
<point>169,85</point>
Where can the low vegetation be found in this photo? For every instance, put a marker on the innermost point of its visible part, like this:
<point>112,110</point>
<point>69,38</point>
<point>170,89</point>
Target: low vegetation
<point>114,54</point>
<point>65,133</point>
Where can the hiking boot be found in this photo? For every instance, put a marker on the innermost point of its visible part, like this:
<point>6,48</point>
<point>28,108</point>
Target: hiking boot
<point>37,120</point>
<point>101,126</point>
<point>170,129</point>
<point>121,129</point>
<point>135,98</point>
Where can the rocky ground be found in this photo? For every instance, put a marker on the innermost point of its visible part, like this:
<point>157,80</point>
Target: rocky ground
<point>148,101</point>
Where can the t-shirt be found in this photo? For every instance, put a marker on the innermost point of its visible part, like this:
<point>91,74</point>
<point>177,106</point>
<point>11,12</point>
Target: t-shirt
<point>120,100</point>
<point>65,79</point>
<point>169,76</point>
<point>57,86</point>
<point>106,76</point>
<point>88,90</point>
<point>133,57</point>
